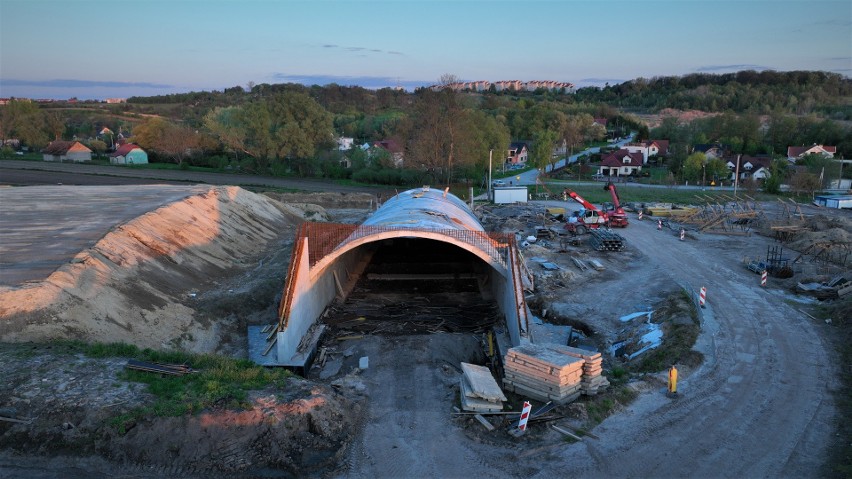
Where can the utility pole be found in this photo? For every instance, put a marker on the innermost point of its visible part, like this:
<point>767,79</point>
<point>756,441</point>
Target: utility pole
<point>737,175</point>
<point>489,173</point>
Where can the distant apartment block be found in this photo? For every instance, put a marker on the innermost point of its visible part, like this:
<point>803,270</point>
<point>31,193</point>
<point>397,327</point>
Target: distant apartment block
<point>116,100</point>
<point>507,85</point>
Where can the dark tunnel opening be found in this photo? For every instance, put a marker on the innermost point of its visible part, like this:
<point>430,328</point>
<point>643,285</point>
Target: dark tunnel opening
<point>415,286</point>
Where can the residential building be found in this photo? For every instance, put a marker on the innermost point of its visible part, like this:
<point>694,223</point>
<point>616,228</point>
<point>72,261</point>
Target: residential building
<point>751,167</point>
<point>344,143</point>
<point>518,153</point>
<point>711,150</point>
<point>67,151</point>
<point>392,147</point>
<point>649,148</point>
<point>621,163</point>
<point>129,154</point>
<point>796,152</point>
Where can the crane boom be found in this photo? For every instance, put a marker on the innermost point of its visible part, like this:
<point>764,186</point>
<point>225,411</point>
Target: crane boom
<point>617,215</point>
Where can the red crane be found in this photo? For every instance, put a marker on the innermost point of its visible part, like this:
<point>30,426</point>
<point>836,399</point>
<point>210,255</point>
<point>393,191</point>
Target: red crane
<point>588,218</point>
<point>617,216</point>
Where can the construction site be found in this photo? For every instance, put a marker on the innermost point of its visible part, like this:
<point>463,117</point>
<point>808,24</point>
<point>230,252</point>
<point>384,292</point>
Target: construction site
<point>427,335</point>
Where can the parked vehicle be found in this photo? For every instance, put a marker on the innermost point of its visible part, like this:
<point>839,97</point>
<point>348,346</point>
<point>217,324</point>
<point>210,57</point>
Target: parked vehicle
<point>496,183</point>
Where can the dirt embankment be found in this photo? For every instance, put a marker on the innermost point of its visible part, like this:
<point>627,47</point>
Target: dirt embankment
<point>144,282</point>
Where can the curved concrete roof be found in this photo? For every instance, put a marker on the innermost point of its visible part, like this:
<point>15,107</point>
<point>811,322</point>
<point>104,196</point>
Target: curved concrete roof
<point>427,209</point>
<point>423,213</point>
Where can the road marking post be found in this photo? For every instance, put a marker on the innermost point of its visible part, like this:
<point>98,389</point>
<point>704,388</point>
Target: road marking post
<point>702,296</point>
<point>763,277</point>
<point>660,225</point>
<point>672,381</point>
<point>525,415</point>
<point>640,215</point>
<point>682,234</point>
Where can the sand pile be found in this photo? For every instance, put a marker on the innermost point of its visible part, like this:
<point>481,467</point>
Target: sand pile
<point>138,283</point>
<point>826,230</point>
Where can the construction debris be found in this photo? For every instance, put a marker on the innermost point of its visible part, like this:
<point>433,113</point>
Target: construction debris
<point>170,369</point>
<point>550,372</point>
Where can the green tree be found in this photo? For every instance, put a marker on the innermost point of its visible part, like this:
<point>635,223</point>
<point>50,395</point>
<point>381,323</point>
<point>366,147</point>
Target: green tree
<point>99,147</point>
<point>23,120</point>
<point>693,167</point>
<point>542,148</point>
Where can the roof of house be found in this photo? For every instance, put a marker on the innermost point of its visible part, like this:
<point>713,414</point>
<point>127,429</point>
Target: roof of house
<point>389,145</point>
<point>517,145</point>
<point>616,158</point>
<point>758,162</point>
<point>60,147</point>
<point>600,121</point>
<point>796,151</point>
<point>124,149</point>
<point>705,147</point>
<point>662,145</point>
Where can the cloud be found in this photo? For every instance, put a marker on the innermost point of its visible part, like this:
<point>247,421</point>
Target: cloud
<point>360,49</point>
<point>601,80</point>
<point>64,83</point>
<point>742,66</point>
<point>363,81</point>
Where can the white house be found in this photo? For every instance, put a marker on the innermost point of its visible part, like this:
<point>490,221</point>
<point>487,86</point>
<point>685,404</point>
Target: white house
<point>796,152</point>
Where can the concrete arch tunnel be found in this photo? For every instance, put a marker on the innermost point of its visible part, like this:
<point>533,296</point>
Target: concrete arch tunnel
<point>421,235</point>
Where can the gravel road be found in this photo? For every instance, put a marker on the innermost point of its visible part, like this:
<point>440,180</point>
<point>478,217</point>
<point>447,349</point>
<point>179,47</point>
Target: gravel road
<point>759,406</point>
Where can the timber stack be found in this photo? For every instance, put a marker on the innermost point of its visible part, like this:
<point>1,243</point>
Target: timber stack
<point>479,390</point>
<point>550,372</point>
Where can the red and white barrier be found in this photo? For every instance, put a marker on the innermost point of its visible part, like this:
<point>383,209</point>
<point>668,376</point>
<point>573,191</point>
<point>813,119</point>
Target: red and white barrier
<point>682,234</point>
<point>660,225</point>
<point>525,415</point>
<point>763,277</point>
<point>702,296</point>
<point>640,215</point>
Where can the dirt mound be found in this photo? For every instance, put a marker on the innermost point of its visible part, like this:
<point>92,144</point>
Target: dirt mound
<point>327,200</point>
<point>140,283</point>
<point>834,231</point>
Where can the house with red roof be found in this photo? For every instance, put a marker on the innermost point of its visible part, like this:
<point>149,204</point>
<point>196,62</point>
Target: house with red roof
<point>60,150</point>
<point>796,152</point>
<point>128,154</point>
<point>621,163</point>
<point>392,147</point>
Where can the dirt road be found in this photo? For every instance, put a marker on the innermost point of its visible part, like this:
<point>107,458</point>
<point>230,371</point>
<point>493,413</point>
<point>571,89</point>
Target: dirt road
<point>759,406</point>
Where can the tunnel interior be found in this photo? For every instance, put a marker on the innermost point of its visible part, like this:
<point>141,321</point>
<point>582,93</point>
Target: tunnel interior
<point>415,286</point>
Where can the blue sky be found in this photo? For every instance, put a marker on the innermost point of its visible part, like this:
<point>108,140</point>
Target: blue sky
<point>94,49</point>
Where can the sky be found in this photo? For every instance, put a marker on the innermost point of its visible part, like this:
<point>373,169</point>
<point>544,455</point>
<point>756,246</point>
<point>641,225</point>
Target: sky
<point>92,49</point>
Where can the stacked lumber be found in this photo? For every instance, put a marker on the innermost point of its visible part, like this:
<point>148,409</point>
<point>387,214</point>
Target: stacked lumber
<point>479,390</point>
<point>550,372</point>
<point>542,373</point>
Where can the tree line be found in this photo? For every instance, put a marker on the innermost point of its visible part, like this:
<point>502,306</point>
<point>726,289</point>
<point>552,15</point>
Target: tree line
<point>443,136</point>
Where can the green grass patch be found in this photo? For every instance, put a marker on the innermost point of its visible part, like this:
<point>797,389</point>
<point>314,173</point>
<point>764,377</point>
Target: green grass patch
<point>219,380</point>
<point>630,193</point>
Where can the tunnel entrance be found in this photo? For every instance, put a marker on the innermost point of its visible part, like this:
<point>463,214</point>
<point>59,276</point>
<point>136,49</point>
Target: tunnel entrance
<point>416,286</point>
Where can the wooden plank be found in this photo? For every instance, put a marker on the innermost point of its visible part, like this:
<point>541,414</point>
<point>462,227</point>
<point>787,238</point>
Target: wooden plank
<point>473,404</point>
<point>547,388</point>
<point>482,383</point>
<point>569,434</point>
<point>545,355</point>
<point>545,367</point>
<point>484,422</point>
<point>549,381</point>
<point>521,369</point>
<point>11,419</point>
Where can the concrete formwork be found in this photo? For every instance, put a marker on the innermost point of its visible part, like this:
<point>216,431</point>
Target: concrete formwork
<point>328,258</point>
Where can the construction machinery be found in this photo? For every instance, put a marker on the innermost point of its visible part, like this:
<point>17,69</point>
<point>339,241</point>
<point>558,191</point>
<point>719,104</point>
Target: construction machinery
<point>617,216</point>
<point>587,218</point>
